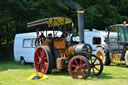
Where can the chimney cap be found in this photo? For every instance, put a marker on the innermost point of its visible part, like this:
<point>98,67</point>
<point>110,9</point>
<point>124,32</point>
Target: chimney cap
<point>80,10</point>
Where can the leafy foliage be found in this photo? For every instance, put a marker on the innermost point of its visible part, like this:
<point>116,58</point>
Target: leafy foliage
<point>14,14</point>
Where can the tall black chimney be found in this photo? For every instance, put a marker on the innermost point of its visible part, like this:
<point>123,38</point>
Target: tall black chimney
<point>80,14</point>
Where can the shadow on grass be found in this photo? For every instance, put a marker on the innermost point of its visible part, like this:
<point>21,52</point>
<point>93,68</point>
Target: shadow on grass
<point>6,65</point>
<point>102,76</point>
<point>107,76</point>
<point>60,73</point>
<point>119,64</point>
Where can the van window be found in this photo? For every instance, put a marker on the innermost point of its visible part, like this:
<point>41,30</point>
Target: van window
<point>113,34</point>
<point>33,43</point>
<point>27,43</point>
<point>96,40</point>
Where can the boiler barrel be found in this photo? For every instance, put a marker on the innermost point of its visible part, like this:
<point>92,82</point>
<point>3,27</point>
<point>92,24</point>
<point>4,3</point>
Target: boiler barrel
<point>82,49</point>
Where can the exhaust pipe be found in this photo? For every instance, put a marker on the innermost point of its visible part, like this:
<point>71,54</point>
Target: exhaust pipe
<point>80,14</point>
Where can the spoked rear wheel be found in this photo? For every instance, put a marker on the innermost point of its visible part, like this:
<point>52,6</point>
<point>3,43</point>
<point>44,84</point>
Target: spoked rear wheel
<point>79,67</point>
<point>43,59</point>
<point>96,65</point>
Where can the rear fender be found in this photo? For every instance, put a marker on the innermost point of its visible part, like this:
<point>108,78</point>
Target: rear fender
<point>104,47</point>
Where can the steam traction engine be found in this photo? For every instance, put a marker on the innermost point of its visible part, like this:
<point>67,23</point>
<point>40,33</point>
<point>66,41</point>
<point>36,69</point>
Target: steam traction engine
<point>54,51</point>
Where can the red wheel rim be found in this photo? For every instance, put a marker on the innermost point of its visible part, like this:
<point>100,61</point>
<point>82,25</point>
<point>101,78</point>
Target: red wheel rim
<point>41,60</point>
<point>78,68</point>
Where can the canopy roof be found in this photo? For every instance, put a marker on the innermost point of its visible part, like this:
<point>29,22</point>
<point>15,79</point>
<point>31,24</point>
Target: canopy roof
<point>52,22</point>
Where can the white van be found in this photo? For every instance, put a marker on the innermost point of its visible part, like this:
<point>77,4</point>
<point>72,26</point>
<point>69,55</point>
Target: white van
<point>94,38</point>
<point>24,46</point>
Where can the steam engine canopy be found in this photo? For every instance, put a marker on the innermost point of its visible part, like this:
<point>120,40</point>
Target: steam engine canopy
<point>82,48</point>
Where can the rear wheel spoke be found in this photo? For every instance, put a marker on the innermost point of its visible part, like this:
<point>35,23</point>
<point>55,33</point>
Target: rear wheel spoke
<point>38,54</point>
<point>46,64</point>
<point>37,66</point>
<point>41,53</point>
<point>74,70</point>
<point>41,66</point>
<point>81,73</point>
<point>38,60</point>
<point>45,58</point>
<point>76,63</point>
<point>77,74</point>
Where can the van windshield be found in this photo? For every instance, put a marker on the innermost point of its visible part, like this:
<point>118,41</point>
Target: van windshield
<point>113,34</point>
<point>126,33</point>
<point>123,33</point>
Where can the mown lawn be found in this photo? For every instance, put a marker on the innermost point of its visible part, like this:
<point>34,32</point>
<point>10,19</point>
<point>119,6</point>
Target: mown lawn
<point>12,73</point>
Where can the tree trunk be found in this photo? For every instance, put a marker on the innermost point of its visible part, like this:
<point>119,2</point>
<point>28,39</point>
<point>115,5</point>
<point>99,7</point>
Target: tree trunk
<point>0,40</point>
<point>7,45</point>
<point>7,37</point>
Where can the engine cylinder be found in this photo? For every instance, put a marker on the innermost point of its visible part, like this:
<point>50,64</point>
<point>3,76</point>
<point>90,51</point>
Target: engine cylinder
<point>82,49</point>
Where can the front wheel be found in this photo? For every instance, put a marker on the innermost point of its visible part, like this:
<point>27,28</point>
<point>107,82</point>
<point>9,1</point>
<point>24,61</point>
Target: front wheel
<point>96,65</point>
<point>104,56</point>
<point>126,57</point>
<point>79,67</point>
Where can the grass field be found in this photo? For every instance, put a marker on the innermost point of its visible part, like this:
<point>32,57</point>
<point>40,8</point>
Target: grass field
<point>12,73</point>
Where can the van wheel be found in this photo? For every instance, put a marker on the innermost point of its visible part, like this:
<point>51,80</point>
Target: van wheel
<point>126,57</point>
<point>22,61</point>
<point>103,55</point>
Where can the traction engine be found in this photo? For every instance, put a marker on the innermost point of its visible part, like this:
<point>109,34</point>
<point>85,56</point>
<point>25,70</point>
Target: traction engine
<point>53,50</point>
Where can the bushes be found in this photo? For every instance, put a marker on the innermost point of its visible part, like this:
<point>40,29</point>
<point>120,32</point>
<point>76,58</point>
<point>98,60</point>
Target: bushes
<point>6,54</point>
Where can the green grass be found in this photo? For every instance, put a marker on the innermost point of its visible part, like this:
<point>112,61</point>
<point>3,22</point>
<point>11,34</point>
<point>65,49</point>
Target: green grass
<point>12,73</point>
